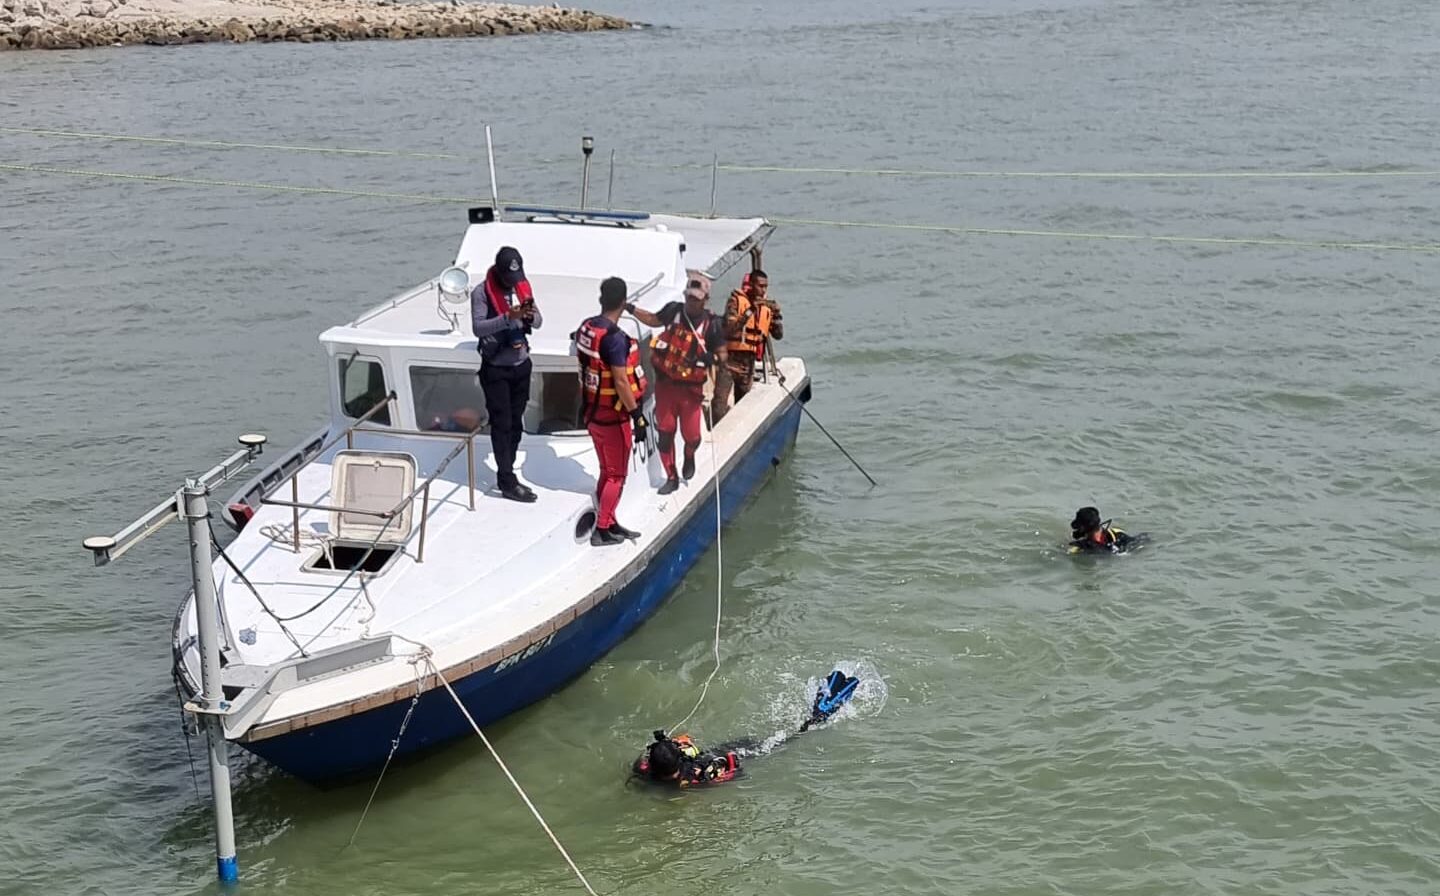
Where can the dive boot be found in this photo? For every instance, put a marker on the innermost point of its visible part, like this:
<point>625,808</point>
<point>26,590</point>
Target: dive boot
<point>602,537</point>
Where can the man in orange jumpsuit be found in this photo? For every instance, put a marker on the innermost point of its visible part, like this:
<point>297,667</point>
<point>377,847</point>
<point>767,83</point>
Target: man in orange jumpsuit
<point>614,388</point>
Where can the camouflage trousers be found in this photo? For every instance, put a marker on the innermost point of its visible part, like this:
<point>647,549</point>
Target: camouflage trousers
<point>732,381</point>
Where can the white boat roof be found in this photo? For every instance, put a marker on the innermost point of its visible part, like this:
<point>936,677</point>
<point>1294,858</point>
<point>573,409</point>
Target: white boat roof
<point>567,253</point>
<point>710,242</point>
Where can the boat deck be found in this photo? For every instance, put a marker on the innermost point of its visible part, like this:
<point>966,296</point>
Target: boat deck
<point>492,579</point>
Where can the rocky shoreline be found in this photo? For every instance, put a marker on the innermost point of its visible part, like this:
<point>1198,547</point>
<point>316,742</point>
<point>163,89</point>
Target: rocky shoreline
<point>76,24</point>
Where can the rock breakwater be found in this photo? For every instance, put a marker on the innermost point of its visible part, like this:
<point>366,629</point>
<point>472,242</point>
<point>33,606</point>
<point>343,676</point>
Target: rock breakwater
<point>75,24</point>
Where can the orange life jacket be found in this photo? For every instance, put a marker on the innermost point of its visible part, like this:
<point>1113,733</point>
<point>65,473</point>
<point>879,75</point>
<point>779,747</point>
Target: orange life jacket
<point>677,350</point>
<point>595,375</point>
<point>1104,535</point>
<point>747,332</point>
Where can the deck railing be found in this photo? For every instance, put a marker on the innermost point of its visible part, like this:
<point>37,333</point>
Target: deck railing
<point>466,444</point>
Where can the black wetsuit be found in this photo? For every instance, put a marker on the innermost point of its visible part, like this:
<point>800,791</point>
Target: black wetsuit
<point>697,768</point>
<point>1112,541</point>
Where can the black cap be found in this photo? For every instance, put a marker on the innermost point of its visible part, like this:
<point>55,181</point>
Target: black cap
<point>509,266</point>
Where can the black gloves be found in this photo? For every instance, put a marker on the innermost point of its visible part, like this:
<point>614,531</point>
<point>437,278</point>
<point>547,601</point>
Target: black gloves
<point>640,427</point>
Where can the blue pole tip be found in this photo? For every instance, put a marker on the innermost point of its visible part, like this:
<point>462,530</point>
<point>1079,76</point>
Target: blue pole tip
<point>228,868</point>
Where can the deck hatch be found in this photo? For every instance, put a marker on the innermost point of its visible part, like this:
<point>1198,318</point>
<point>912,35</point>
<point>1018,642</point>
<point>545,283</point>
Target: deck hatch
<point>368,484</point>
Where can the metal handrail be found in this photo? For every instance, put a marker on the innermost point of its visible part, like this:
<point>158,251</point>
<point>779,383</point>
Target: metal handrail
<point>467,443</point>
<point>383,514</point>
<point>294,476</point>
<point>727,261</point>
<point>395,302</point>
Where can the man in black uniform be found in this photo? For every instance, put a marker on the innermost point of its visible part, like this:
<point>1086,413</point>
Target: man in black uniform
<point>502,315</point>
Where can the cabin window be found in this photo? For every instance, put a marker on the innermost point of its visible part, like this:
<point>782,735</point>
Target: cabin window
<point>362,386</point>
<point>555,400</point>
<point>448,399</point>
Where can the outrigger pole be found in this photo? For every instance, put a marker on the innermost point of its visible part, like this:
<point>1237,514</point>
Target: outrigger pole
<point>191,504</point>
<point>780,381</point>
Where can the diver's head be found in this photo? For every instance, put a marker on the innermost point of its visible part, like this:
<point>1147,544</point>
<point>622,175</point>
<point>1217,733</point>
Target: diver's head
<point>1086,522</point>
<point>664,760</point>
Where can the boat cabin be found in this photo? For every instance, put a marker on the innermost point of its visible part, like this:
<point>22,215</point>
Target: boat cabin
<point>420,346</point>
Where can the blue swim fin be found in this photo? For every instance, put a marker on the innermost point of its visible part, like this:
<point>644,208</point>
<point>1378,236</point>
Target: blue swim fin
<point>833,693</point>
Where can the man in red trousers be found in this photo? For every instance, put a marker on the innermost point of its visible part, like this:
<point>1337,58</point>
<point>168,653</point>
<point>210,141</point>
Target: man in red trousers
<point>684,352</point>
<point>614,388</point>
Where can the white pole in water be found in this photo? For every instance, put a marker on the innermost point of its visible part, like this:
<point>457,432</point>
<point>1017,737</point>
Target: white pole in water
<point>494,190</point>
<point>196,512</point>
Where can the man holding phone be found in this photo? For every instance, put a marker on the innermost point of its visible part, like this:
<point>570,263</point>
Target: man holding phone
<point>502,315</point>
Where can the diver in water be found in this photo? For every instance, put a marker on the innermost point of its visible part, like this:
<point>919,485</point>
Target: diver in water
<point>1090,535</point>
<point>679,762</point>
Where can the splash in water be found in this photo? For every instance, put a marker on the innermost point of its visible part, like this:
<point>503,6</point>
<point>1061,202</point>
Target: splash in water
<point>788,708</point>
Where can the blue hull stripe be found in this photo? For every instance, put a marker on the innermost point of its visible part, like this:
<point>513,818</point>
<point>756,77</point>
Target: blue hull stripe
<point>358,744</point>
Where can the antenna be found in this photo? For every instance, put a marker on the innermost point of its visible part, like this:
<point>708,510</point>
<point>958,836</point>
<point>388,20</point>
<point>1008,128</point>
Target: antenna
<point>587,146</point>
<point>714,181</point>
<point>494,190</point>
<point>610,190</point>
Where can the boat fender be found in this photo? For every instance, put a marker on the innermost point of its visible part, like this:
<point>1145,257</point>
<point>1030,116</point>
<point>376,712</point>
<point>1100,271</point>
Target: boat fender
<point>240,514</point>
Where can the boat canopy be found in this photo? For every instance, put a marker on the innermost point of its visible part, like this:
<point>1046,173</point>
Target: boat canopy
<point>713,245</point>
<point>567,253</point>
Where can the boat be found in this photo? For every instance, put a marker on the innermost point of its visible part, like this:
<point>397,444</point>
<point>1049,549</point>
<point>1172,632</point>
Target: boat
<point>376,568</point>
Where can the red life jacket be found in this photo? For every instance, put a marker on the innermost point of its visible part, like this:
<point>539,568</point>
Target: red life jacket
<point>677,350</point>
<point>495,294</point>
<point>602,402</point>
<point>697,769</point>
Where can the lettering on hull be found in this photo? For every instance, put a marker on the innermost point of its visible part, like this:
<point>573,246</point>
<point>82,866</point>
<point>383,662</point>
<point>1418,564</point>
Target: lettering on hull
<point>525,654</point>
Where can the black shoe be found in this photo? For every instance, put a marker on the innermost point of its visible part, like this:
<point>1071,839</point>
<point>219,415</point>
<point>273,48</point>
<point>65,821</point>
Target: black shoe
<point>670,485</point>
<point>518,492</point>
<point>624,532</point>
<point>688,470</point>
<point>601,537</point>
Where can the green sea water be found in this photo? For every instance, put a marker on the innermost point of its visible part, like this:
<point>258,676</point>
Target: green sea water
<point>1246,707</point>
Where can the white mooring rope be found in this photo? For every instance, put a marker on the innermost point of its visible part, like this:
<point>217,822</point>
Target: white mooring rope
<point>395,743</point>
<point>719,576</point>
<point>514,783</point>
